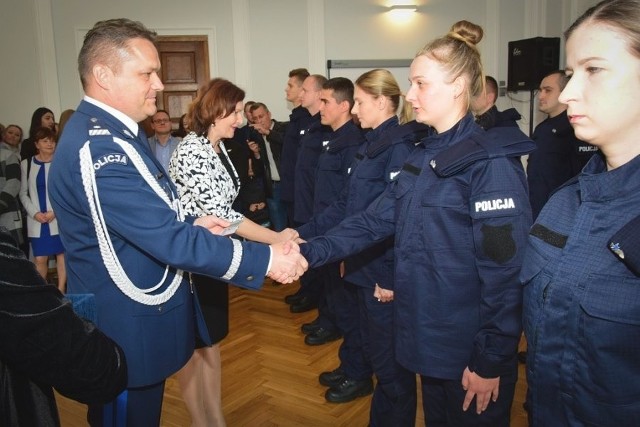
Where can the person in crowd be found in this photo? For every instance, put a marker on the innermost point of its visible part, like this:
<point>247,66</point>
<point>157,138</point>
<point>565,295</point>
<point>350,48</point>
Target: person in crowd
<point>559,154</point>
<point>12,136</point>
<point>42,225</point>
<point>298,121</point>
<point>43,344</point>
<point>270,146</point>
<point>310,146</point>
<point>485,111</point>
<point>183,127</point>
<point>207,184</point>
<point>42,117</point>
<point>460,215</point>
<point>10,213</point>
<point>64,118</point>
<point>387,145</point>
<point>338,306</point>
<point>247,112</point>
<point>162,143</point>
<point>126,237</point>
<point>581,290</point>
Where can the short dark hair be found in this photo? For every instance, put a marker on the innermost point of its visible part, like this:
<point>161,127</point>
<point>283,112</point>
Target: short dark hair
<point>318,80</point>
<point>299,73</point>
<point>42,133</point>
<point>216,99</point>
<point>106,41</point>
<point>491,84</point>
<point>563,79</point>
<point>256,105</point>
<point>162,111</point>
<point>342,89</point>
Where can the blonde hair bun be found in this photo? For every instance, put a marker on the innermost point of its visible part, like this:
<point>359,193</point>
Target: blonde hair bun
<point>467,32</point>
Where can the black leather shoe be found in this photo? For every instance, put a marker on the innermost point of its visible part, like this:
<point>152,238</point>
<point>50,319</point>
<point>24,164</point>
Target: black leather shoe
<point>349,390</point>
<point>293,298</point>
<point>333,378</point>
<point>305,304</point>
<point>322,336</point>
<point>309,328</point>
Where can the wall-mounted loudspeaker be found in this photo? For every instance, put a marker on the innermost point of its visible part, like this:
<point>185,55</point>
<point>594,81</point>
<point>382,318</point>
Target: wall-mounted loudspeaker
<point>530,60</point>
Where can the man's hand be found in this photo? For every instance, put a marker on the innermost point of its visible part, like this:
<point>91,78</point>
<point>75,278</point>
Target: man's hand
<point>383,295</point>
<point>212,223</point>
<point>287,264</point>
<point>263,131</point>
<point>255,148</point>
<point>483,389</point>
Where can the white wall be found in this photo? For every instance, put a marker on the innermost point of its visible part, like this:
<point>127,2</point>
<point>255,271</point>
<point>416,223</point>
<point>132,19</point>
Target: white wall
<point>256,42</point>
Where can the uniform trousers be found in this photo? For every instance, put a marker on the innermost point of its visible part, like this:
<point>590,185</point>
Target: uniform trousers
<point>394,398</point>
<point>342,308</point>
<point>442,403</point>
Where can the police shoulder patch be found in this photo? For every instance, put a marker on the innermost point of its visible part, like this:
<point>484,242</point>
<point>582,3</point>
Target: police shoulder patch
<point>111,158</point>
<point>495,204</point>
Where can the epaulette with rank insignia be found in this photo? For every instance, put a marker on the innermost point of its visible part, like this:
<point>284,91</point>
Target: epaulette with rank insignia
<point>96,127</point>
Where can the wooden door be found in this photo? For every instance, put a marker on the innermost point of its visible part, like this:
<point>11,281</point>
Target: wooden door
<point>185,67</point>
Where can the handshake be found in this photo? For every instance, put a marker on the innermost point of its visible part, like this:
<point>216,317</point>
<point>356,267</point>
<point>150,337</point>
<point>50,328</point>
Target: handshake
<point>287,264</point>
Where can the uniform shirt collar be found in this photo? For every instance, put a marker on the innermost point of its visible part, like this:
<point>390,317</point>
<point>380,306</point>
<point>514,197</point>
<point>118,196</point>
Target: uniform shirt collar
<point>130,123</point>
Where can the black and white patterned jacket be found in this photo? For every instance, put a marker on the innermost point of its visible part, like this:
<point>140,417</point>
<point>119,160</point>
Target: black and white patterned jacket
<point>203,182</point>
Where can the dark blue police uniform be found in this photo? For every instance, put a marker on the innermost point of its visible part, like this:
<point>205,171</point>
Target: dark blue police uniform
<point>299,121</point>
<point>338,299</point>
<point>460,215</point>
<point>555,159</point>
<point>375,165</point>
<point>156,331</point>
<point>582,302</point>
<point>312,140</point>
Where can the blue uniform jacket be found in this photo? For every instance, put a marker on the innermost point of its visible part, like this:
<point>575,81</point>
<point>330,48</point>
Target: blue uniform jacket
<point>334,162</point>
<point>582,305</point>
<point>311,143</point>
<point>553,162</point>
<point>299,120</point>
<point>460,215</point>
<point>157,339</point>
<point>376,164</point>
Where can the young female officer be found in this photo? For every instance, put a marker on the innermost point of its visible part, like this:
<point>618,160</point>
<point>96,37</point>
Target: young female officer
<point>581,296</point>
<point>460,216</point>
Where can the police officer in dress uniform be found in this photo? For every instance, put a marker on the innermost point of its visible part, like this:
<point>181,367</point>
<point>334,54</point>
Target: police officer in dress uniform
<point>126,240</point>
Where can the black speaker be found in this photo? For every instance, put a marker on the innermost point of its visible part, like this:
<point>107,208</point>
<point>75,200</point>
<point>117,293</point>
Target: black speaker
<point>530,60</point>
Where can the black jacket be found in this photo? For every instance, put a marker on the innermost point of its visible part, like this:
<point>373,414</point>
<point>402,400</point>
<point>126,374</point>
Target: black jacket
<point>43,344</point>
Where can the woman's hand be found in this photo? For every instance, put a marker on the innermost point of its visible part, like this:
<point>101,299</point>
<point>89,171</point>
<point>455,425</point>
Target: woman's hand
<point>383,295</point>
<point>483,389</point>
<point>212,223</point>
<point>41,217</point>
<point>286,235</point>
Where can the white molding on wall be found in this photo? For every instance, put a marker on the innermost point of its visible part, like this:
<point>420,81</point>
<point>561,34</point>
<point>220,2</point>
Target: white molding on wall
<point>46,54</point>
<point>316,39</point>
<point>534,14</point>
<point>241,44</point>
<point>490,55</point>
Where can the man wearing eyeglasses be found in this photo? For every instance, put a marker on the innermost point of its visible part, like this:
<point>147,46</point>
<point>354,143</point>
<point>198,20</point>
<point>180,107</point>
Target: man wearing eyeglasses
<point>162,143</point>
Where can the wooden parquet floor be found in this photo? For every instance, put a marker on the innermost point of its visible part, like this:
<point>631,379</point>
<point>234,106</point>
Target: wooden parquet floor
<point>270,377</point>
